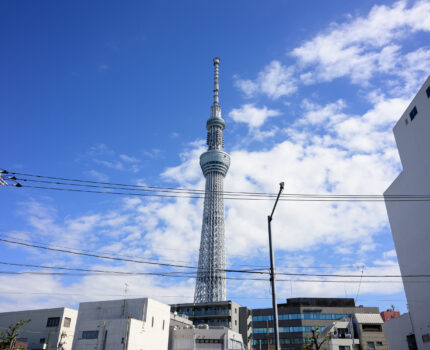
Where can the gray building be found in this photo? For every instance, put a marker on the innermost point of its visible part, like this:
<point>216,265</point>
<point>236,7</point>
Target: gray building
<point>218,314</point>
<point>409,220</point>
<point>297,318</point>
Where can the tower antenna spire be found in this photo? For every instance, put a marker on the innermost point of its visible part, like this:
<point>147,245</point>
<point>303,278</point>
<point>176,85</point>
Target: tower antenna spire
<point>217,60</point>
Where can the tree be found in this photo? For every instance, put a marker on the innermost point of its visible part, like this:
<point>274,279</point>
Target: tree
<point>314,342</point>
<point>9,337</point>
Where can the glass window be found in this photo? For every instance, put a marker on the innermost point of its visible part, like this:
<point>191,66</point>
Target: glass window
<point>152,322</point>
<point>413,113</point>
<point>371,345</point>
<point>379,343</point>
<point>163,325</point>
<point>90,334</point>
<point>67,322</point>
<point>53,322</point>
<point>42,341</point>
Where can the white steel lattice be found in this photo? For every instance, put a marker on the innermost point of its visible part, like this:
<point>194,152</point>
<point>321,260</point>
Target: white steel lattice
<point>210,283</point>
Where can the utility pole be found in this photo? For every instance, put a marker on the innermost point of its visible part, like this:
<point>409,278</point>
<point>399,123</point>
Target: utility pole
<point>272,270</point>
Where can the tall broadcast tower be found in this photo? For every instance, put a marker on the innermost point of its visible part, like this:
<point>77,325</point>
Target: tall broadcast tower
<point>210,283</point>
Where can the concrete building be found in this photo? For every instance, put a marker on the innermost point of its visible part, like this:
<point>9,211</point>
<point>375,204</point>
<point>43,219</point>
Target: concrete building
<point>298,317</point>
<point>341,336</point>
<point>132,324</point>
<point>204,337</point>
<point>219,314</point>
<point>400,334</point>
<point>47,329</point>
<point>410,220</point>
<point>369,327</point>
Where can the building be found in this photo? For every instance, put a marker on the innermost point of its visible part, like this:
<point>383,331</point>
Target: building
<point>400,334</point>
<point>218,314</point>
<point>341,336</point>
<point>204,337</point>
<point>410,220</point>
<point>297,318</point>
<point>47,329</point>
<point>389,314</point>
<point>131,324</point>
<point>369,327</point>
<point>210,282</point>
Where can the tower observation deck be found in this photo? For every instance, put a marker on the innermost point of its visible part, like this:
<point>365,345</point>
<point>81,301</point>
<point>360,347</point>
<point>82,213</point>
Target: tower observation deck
<point>210,283</point>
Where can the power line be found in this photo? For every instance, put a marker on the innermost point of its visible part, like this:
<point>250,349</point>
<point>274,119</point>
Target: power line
<point>171,192</point>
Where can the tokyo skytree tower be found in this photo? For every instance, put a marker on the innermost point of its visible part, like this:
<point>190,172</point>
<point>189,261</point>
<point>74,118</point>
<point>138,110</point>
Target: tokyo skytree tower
<point>210,283</point>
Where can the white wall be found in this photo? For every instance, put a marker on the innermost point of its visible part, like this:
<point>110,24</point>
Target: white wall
<point>37,328</point>
<point>396,331</point>
<point>410,221</point>
<point>119,328</point>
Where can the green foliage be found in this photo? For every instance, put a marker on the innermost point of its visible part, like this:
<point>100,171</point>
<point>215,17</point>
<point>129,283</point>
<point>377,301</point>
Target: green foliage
<point>315,342</point>
<point>10,335</point>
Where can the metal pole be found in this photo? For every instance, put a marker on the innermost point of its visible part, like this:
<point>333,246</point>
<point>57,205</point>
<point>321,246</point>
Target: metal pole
<point>272,272</point>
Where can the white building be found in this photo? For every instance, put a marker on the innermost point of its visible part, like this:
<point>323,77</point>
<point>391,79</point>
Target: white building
<point>47,329</point>
<point>205,338</point>
<point>132,324</point>
<point>399,333</point>
<point>341,336</point>
<point>410,220</point>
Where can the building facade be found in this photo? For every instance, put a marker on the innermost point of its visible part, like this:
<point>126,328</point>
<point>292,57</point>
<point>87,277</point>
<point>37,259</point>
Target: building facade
<point>389,314</point>
<point>297,318</point>
<point>47,329</point>
<point>399,333</point>
<point>219,314</point>
<point>131,324</point>
<point>204,337</point>
<point>409,220</point>
<point>210,282</point>
<point>369,327</point>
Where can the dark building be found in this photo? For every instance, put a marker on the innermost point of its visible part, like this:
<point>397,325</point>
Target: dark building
<point>297,318</point>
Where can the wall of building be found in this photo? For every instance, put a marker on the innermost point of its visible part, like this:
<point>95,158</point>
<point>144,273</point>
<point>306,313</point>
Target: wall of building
<point>396,330</point>
<point>409,221</point>
<point>114,325</point>
<point>36,333</point>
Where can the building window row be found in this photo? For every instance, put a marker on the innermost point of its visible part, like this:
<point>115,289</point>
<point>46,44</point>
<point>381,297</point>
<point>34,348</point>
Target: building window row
<point>282,341</point>
<point>285,329</point>
<point>301,317</point>
<point>53,322</point>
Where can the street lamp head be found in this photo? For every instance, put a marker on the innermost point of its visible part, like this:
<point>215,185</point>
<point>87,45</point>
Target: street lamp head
<point>281,185</point>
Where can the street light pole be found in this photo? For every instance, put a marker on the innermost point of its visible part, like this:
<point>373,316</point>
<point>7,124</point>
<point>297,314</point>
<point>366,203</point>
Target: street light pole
<point>272,271</point>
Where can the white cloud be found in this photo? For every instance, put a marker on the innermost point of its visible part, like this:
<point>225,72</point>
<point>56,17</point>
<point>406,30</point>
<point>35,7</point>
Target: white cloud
<point>253,116</point>
<point>275,81</point>
<point>364,46</point>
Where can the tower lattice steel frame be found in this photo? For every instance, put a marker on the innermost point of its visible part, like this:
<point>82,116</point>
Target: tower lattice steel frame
<point>210,283</point>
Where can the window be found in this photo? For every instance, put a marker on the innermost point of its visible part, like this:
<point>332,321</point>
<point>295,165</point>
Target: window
<point>235,322</point>
<point>53,322</point>
<point>90,334</point>
<point>428,92</point>
<point>344,347</point>
<point>235,311</point>
<point>67,321</point>
<point>379,343</point>
<point>413,113</point>
<point>371,345</point>
<point>426,338</point>
<point>42,341</point>
<point>163,325</point>
<point>371,327</point>
<point>152,322</point>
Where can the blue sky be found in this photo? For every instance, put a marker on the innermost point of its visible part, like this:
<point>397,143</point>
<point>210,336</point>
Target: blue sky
<point>104,91</point>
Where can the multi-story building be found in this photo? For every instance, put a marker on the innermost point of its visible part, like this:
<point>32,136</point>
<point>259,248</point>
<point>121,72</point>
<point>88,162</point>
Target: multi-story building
<point>410,220</point>
<point>47,329</point>
<point>369,328</point>
<point>131,324</point>
<point>340,336</point>
<point>298,317</point>
<point>219,314</point>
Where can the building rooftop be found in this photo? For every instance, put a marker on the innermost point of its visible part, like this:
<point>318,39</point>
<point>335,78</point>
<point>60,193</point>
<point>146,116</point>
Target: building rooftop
<point>328,302</point>
<point>369,318</point>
